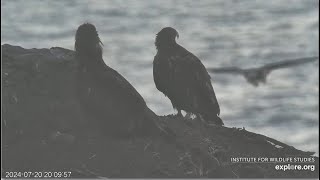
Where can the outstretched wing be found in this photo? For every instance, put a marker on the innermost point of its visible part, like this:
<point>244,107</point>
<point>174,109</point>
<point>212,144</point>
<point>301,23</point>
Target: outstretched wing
<point>230,70</point>
<point>289,63</point>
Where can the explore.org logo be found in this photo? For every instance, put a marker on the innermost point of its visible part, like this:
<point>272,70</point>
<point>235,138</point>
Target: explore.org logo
<point>282,163</point>
<point>295,167</point>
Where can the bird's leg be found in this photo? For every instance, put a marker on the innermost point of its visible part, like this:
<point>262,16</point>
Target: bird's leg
<point>188,115</point>
<point>179,113</point>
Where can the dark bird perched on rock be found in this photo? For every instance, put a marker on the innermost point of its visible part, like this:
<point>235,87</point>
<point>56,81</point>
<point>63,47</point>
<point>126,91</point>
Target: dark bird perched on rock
<point>107,96</point>
<point>182,77</point>
<point>254,76</point>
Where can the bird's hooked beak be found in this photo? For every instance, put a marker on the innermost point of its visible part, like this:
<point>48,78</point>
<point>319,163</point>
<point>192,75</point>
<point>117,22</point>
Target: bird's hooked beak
<point>101,42</point>
<point>177,34</point>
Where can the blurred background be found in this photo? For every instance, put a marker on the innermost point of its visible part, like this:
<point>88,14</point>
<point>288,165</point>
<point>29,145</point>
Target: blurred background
<point>243,33</point>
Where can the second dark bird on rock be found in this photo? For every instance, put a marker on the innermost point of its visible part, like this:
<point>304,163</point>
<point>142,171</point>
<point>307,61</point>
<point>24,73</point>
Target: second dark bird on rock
<point>107,96</point>
<point>182,77</point>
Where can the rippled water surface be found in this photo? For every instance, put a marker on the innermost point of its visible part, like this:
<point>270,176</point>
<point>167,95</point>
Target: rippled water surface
<point>242,33</point>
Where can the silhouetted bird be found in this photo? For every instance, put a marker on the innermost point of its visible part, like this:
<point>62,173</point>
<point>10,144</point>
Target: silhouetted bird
<point>259,75</point>
<point>105,94</point>
<point>182,77</point>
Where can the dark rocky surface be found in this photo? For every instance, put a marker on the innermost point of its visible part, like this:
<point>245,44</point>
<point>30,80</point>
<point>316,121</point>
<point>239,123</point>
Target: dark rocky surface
<point>44,130</point>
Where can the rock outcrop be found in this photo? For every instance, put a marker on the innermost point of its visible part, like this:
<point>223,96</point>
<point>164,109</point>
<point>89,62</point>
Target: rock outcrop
<point>44,130</point>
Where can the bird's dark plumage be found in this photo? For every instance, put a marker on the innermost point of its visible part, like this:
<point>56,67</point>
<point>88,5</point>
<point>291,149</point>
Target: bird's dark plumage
<point>182,77</point>
<point>259,75</point>
<point>116,105</point>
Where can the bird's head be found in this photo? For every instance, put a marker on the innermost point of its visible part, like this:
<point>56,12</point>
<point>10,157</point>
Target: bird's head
<point>166,37</point>
<point>87,41</point>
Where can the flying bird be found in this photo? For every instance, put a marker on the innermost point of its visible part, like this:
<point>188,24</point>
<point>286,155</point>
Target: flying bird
<point>257,75</point>
<point>181,76</point>
<point>106,95</point>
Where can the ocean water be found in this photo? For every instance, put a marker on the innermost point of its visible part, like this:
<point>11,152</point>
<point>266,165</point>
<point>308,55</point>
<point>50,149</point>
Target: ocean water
<point>243,33</point>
